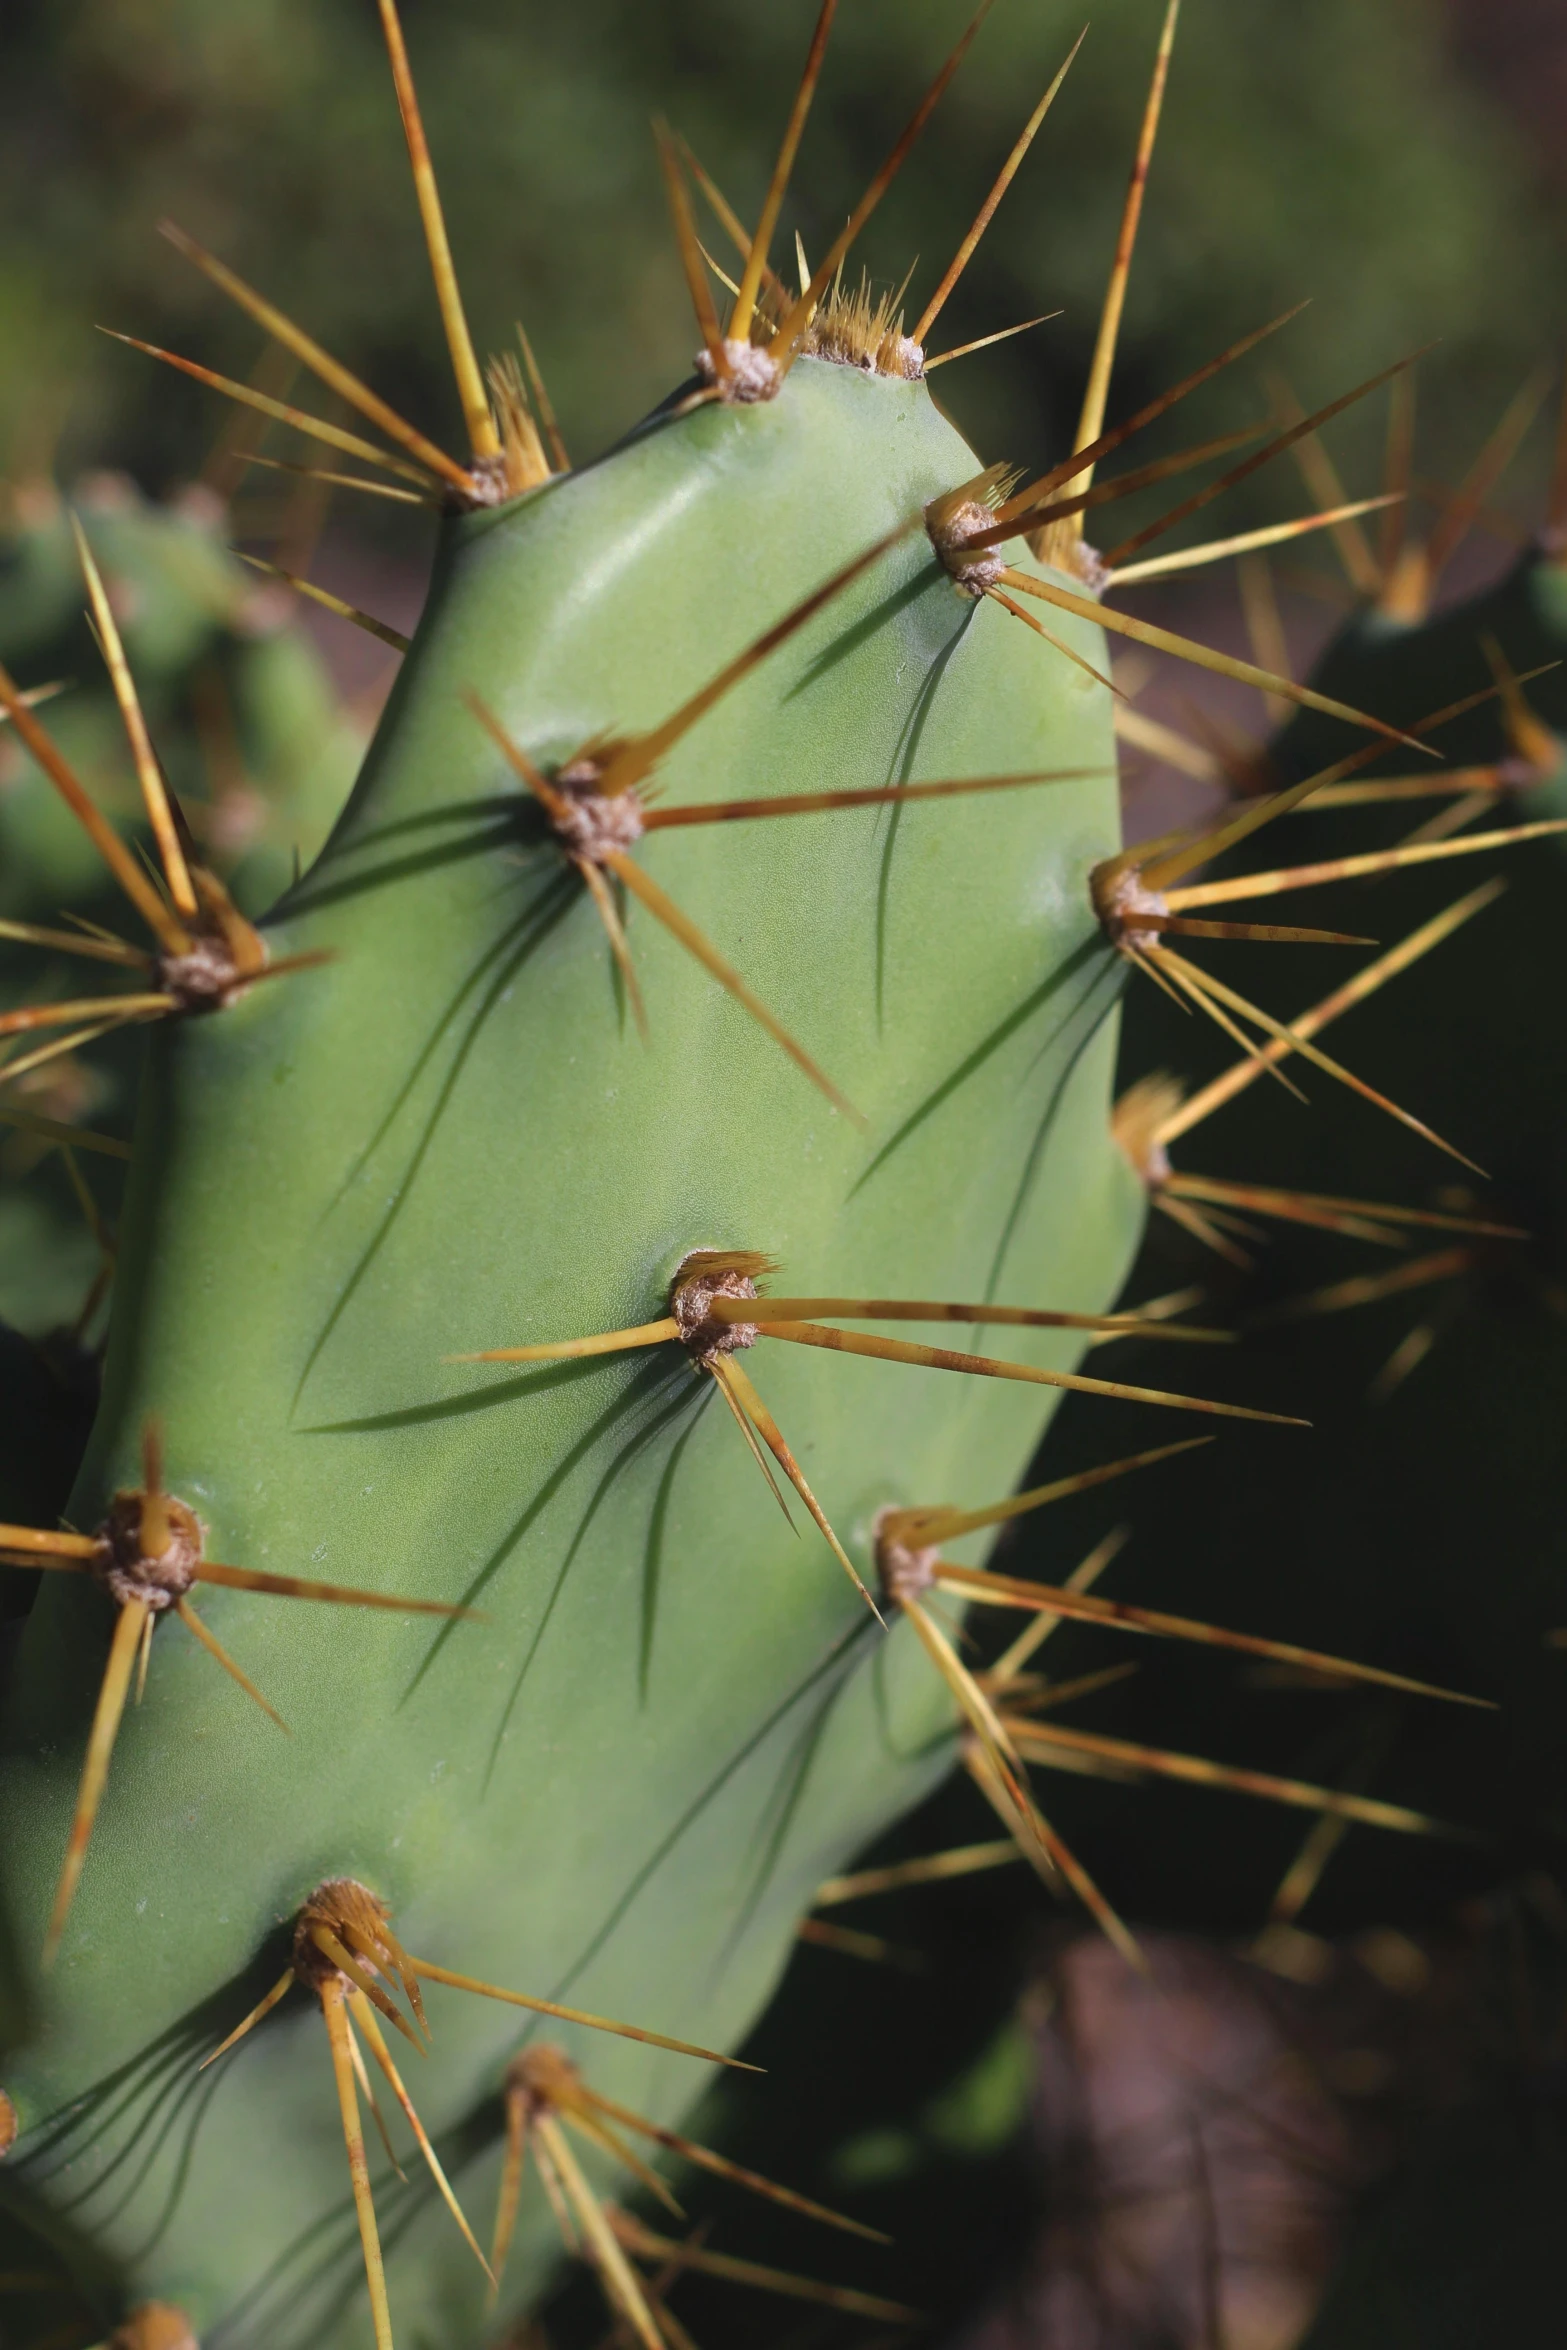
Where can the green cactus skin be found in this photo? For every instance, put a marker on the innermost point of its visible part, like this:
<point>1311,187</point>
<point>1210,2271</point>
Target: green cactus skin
<point>622,1786</point>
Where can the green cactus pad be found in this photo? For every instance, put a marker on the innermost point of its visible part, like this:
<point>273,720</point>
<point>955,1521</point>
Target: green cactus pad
<point>622,1785</point>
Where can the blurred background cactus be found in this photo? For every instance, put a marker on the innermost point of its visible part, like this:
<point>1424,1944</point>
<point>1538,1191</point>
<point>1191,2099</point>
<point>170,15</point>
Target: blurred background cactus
<point>256,737</point>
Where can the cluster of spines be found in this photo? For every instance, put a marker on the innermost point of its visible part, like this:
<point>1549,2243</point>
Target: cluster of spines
<point>1396,581</point>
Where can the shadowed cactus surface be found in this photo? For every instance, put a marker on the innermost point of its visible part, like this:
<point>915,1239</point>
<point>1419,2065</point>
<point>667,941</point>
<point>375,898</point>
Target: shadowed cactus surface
<point>1432,1360</point>
<point>1429,1355</point>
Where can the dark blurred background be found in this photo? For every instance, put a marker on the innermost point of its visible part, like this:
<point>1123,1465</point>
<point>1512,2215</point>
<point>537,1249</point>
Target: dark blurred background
<point>1398,160</point>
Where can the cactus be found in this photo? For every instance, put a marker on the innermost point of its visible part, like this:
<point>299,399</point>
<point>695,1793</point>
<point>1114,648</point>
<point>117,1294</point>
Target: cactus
<point>1416,1321</point>
<point>253,739</point>
<point>1398,644</point>
<point>247,724</point>
<point>463,1186</point>
<point>1433,1371</point>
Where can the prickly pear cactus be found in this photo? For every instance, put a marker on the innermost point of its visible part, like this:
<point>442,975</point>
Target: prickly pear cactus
<point>1409,649</point>
<point>1412,1309</point>
<point>496,1206</point>
<point>1441,1379</point>
<point>620,1782</point>
<point>452,1137</point>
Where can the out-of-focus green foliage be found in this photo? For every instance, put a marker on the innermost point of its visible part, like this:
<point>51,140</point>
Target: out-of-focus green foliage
<point>1328,149</point>
<point>249,729</point>
<point>255,742</point>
